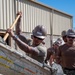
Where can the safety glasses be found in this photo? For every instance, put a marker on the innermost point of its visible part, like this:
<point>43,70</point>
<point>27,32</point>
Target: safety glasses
<point>70,37</point>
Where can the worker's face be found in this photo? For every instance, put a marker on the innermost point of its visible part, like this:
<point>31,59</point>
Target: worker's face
<point>36,40</point>
<point>56,46</point>
<point>64,38</point>
<point>70,40</point>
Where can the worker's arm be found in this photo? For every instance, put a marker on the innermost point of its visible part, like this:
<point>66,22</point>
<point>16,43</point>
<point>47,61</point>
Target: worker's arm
<point>25,47</point>
<point>18,24</point>
<point>19,31</point>
<point>58,57</point>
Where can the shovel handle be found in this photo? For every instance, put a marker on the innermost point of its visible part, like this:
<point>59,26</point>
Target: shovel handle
<point>11,27</point>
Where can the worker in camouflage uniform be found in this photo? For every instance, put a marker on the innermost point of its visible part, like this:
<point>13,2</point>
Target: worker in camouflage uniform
<point>37,50</point>
<point>66,53</point>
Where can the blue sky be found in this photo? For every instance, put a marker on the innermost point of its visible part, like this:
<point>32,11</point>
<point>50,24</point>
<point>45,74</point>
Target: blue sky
<point>67,6</point>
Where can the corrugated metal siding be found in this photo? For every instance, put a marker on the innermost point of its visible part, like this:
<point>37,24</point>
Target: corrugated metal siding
<point>7,13</point>
<point>61,22</point>
<point>33,14</point>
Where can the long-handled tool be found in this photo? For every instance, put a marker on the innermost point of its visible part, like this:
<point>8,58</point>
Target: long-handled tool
<point>11,27</point>
<point>2,40</point>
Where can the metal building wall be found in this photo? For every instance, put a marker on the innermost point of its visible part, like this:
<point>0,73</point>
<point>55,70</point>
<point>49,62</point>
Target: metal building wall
<point>6,13</point>
<point>61,22</point>
<point>34,13</point>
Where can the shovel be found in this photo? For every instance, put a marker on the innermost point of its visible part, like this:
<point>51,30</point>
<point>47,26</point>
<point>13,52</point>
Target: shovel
<point>2,40</point>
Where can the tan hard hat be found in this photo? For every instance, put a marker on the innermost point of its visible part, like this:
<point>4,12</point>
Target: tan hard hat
<point>70,33</point>
<point>39,31</point>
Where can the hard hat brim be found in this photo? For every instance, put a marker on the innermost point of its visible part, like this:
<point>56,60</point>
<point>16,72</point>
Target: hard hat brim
<point>71,36</point>
<point>41,37</point>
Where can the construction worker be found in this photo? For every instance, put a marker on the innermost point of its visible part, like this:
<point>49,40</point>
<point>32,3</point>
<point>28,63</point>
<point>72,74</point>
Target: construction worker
<point>66,53</point>
<point>37,50</point>
<point>54,48</point>
<point>51,58</point>
<point>63,35</point>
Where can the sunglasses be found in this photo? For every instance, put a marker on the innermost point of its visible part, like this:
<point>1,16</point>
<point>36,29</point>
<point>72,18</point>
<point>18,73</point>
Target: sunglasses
<point>37,38</point>
<point>71,37</point>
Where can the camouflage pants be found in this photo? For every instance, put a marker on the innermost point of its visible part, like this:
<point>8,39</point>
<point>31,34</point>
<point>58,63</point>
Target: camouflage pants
<point>69,72</point>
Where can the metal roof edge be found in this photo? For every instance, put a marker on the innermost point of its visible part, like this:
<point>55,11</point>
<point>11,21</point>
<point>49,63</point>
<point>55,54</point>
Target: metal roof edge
<point>50,7</point>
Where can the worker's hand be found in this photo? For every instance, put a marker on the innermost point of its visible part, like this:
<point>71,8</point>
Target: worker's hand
<point>19,13</point>
<point>11,33</point>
